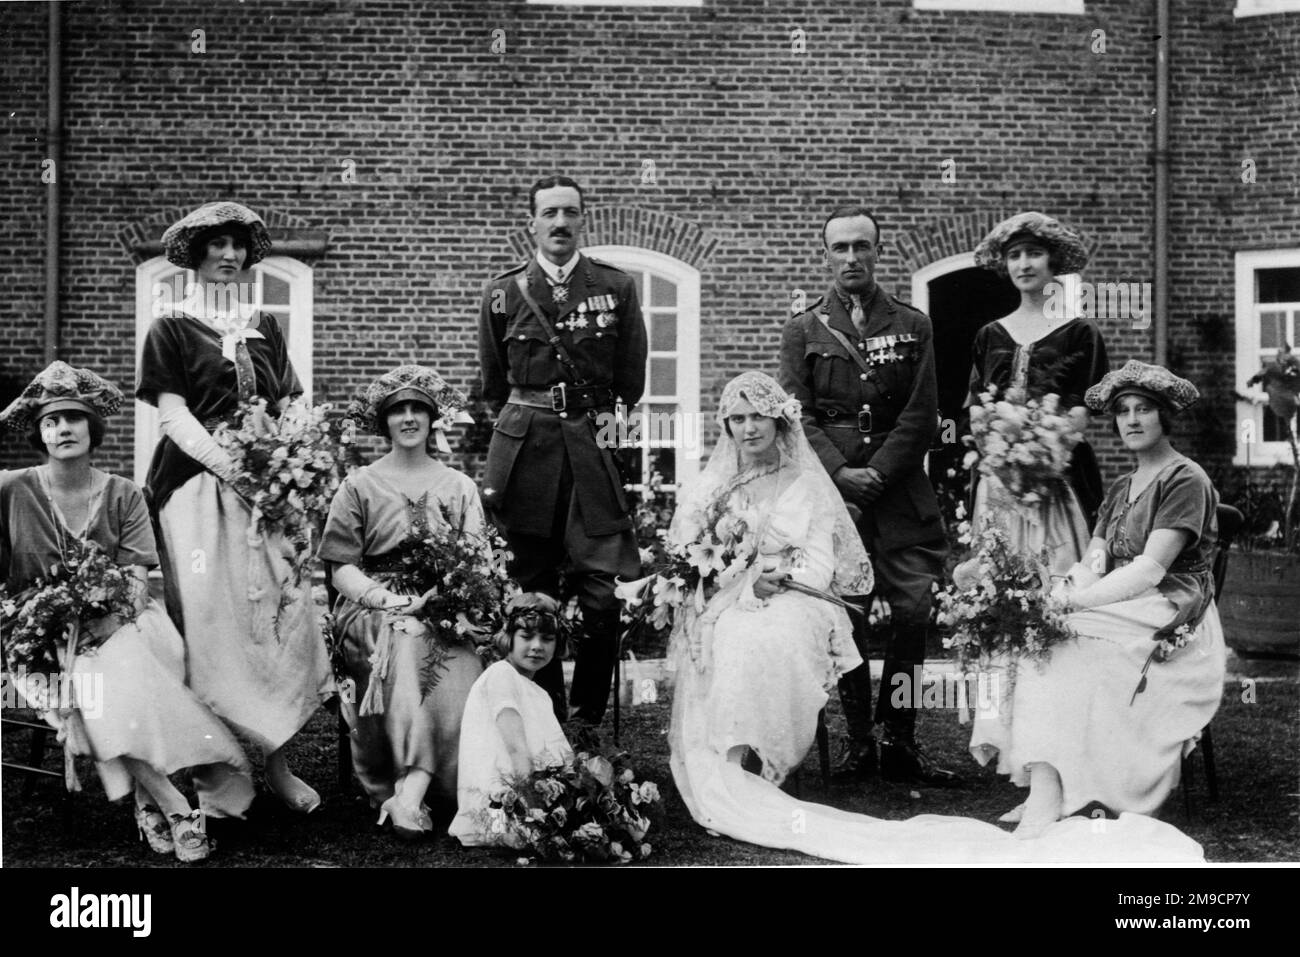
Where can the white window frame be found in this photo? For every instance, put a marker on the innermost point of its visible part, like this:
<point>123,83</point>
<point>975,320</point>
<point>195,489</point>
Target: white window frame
<point>1260,8</point>
<point>687,280</point>
<point>296,273</point>
<point>1260,453</point>
<point>1003,6</point>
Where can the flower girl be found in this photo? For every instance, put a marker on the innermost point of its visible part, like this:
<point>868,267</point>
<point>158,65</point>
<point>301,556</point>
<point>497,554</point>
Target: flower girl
<point>509,727</point>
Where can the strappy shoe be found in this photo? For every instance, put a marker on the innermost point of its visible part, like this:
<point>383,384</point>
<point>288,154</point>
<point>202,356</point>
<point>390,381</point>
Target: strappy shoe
<point>190,837</point>
<point>408,824</point>
<point>153,827</point>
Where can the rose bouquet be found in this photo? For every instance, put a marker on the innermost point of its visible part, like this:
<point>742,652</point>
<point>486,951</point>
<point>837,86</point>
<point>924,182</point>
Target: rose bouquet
<point>1024,443</point>
<point>87,585</point>
<point>287,468</point>
<point>590,809</point>
<point>466,579</point>
<point>998,604</point>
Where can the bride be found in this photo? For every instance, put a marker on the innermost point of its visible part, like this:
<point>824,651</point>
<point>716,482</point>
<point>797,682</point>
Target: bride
<point>754,665</point>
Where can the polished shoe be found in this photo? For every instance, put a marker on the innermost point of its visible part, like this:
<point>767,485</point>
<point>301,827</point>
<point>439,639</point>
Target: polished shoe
<point>153,827</point>
<point>190,836</point>
<point>298,796</point>
<point>856,761</point>
<point>902,760</point>
<point>411,825</point>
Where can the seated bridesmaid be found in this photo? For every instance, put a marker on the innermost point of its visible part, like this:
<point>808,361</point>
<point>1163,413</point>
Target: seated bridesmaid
<point>1079,733</point>
<point>509,728</point>
<point>405,734</point>
<point>146,724</point>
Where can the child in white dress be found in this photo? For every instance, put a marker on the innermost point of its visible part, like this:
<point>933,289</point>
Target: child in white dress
<point>509,727</point>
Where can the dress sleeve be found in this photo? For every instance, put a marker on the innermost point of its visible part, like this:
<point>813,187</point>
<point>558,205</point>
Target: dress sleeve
<point>289,386</point>
<point>799,523</point>
<point>135,543</point>
<point>1089,367</point>
<point>501,690</point>
<point>978,350</point>
<point>342,541</point>
<point>162,363</point>
<point>1186,500</point>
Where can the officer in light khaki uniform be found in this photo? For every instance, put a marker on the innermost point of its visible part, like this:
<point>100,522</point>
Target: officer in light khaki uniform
<point>862,364</point>
<point>561,341</point>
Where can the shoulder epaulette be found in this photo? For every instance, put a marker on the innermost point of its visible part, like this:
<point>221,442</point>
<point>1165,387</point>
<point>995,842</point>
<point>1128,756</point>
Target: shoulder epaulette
<point>601,262</point>
<point>510,272</point>
<point>809,307</point>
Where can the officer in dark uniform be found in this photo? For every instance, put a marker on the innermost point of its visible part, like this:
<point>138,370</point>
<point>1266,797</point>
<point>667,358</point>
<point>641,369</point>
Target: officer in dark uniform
<point>553,492</point>
<point>871,419</point>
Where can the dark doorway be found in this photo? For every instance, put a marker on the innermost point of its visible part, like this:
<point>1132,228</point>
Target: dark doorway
<point>961,302</point>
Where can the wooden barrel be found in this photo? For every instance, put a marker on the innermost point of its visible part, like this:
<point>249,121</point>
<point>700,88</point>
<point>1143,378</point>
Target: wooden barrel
<point>1260,604</point>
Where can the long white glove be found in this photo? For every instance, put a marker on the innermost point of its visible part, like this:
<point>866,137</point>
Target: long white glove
<point>1139,575</point>
<point>179,425</point>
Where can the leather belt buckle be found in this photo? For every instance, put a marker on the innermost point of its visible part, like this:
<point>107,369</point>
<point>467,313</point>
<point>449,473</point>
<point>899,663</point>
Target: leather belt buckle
<point>559,398</point>
<point>864,421</point>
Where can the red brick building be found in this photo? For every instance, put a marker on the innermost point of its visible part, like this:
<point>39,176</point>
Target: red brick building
<point>390,145</point>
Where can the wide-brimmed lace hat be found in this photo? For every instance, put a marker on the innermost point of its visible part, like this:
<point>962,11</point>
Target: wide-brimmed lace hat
<point>1154,382</point>
<point>411,383</point>
<point>1065,245</point>
<point>182,239</point>
<point>60,388</point>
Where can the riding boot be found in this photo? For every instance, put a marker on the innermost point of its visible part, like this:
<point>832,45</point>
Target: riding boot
<point>593,672</point>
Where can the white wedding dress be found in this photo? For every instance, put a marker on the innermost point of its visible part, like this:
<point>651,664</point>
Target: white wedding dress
<point>758,676</point>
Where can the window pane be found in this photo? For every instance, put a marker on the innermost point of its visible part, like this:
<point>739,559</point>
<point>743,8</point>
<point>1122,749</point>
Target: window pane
<point>662,293</point>
<point>1271,329</point>
<point>659,426</point>
<point>663,333</point>
<point>1279,285</point>
<point>663,376</point>
<point>275,291</point>
<point>664,461</point>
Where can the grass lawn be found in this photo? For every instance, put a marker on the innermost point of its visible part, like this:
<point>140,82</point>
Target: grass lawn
<point>1256,819</point>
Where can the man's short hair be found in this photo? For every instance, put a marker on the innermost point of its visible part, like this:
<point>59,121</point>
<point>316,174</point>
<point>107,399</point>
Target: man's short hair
<point>550,182</point>
<point>848,211</point>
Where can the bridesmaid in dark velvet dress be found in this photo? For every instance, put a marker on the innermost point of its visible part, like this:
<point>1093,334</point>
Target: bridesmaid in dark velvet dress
<point>1033,351</point>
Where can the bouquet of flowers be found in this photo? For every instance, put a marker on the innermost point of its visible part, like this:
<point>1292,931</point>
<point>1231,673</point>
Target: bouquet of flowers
<point>998,604</point>
<point>469,579</point>
<point>591,809</point>
<point>86,585</point>
<point>287,469</point>
<point>1024,443</point>
<point>724,547</point>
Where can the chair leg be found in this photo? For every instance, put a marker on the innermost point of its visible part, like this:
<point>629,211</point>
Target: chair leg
<point>824,748</point>
<point>344,754</point>
<point>1211,778</point>
<point>1187,770</point>
<point>35,757</point>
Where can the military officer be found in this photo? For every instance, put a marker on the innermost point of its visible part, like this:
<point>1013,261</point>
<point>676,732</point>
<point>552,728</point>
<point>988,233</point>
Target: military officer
<point>561,341</point>
<point>862,364</point>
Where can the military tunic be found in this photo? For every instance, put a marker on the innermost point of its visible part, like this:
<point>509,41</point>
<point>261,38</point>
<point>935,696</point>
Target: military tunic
<point>530,445</point>
<point>555,494</point>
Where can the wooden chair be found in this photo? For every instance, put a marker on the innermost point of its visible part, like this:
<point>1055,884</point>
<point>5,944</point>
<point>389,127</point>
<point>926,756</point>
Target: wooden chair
<point>1230,521</point>
<point>38,741</point>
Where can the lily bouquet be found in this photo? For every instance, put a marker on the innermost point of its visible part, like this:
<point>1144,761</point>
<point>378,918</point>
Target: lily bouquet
<point>287,468</point>
<point>998,604</point>
<point>465,578</point>
<point>590,809</point>
<point>85,586</point>
<point>1024,443</point>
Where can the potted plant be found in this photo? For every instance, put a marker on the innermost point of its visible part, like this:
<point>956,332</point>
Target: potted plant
<point>1260,603</point>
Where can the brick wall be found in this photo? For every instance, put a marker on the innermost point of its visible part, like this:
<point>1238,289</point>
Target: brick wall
<point>751,143</point>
